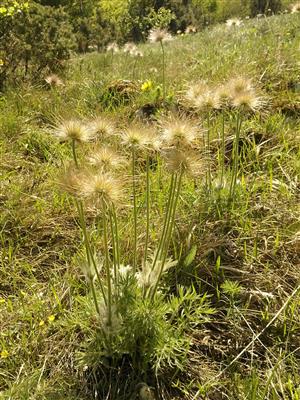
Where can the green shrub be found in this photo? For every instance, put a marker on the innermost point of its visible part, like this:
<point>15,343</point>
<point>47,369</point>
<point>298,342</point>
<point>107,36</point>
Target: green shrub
<point>33,41</point>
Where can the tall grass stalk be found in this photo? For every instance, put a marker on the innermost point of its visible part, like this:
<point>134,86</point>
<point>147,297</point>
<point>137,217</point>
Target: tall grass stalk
<point>172,189</point>
<point>107,263</point>
<point>114,247</point>
<point>147,208</point>
<point>117,239</point>
<point>134,209</point>
<point>235,157</point>
<point>163,70</point>
<point>209,179</point>
<point>170,220</point>
<point>87,243</point>
<point>223,149</point>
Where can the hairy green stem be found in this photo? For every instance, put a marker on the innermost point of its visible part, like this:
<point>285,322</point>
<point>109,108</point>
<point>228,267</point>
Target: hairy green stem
<point>89,253</point>
<point>111,223</point>
<point>223,149</point>
<point>74,152</point>
<point>169,231</point>
<point>134,211</point>
<point>166,219</point>
<point>147,208</point>
<point>235,156</point>
<point>163,70</point>
<point>172,219</point>
<point>117,240</point>
<point>108,277</point>
<point>208,149</point>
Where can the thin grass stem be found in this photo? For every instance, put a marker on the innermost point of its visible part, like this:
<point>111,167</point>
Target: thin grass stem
<point>171,221</point>
<point>147,208</point>
<point>235,157</point>
<point>74,152</point>
<point>111,223</point>
<point>163,70</point>
<point>166,219</point>
<point>117,239</point>
<point>108,277</point>
<point>86,239</point>
<point>134,211</point>
<point>223,150</point>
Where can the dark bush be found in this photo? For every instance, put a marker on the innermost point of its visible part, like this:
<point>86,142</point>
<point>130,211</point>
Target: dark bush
<point>33,42</point>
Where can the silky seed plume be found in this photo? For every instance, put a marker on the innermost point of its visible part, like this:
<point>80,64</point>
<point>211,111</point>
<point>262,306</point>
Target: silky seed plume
<point>134,136</point>
<point>102,127</point>
<point>248,101</point>
<point>188,162</point>
<point>179,132</point>
<point>101,188</point>
<point>159,35</point>
<point>106,159</point>
<point>73,130</point>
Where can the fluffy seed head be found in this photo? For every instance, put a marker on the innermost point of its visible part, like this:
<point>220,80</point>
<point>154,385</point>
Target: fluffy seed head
<point>106,159</point>
<point>101,188</point>
<point>239,85</point>
<point>159,35</point>
<point>295,8</point>
<point>179,132</point>
<point>73,130</point>
<point>207,101</point>
<point>224,95</point>
<point>54,80</point>
<point>196,90</point>
<point>129,47</point>
<point>248,101</point>
<point>135,136</point>
<point>154,141</point>
<point>102,127</point>
<point>137,53</point>
<point>184,161</point>
<point>72,179</point>
<point>190,29</point>
<point>113,47</point>
<point>234,22</point>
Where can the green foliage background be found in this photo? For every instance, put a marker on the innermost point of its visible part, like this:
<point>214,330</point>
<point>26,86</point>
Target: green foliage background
<point>37,36</point>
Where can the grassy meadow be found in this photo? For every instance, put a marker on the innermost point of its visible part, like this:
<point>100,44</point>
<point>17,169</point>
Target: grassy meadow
<point>216,314</point>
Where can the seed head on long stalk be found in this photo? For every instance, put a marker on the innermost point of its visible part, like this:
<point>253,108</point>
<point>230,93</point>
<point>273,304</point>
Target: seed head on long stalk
<point>129,47</point>
<point>248,102</point>
<point>102,127</point>
<point>135,136</point>
<point>195,90</point>
<point>239,85</point>
<point>188,162</point>
<point>101,188</point>
<point>113,47</point>
<point>159,35</point>
<point>208,101</point>
<point>106,159</point>
<point>73,130</point>
<point>96,187</point>
<point>179,132</point>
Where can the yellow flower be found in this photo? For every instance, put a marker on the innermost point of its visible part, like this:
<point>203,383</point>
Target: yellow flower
<point>1,62</point>
<point>51,318</point>
<point>147,85</point>
<point>42,323</point>
<point>4,354</point>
